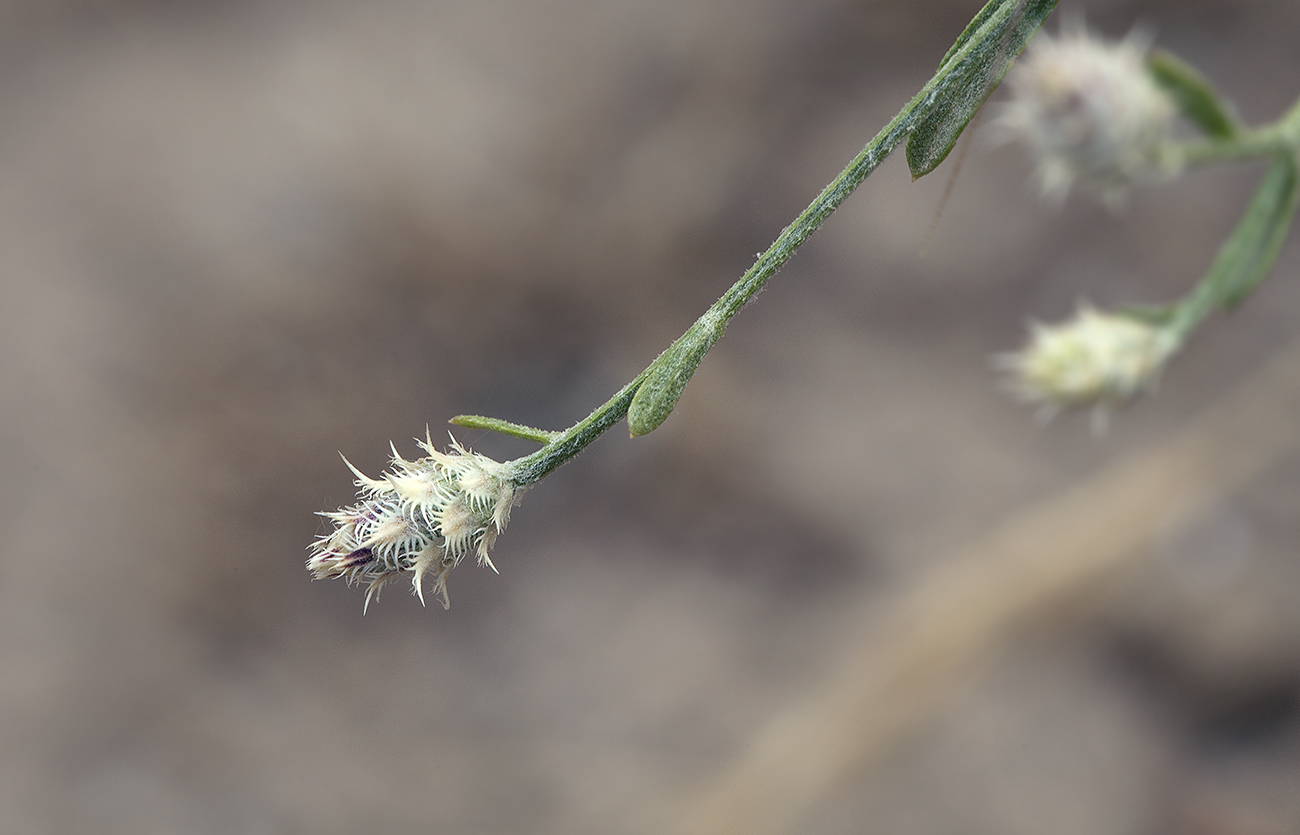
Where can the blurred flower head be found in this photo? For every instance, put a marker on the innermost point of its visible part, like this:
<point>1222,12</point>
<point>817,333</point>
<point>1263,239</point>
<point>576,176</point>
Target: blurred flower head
<point>1090,112</point>
<point>1096,359</point>
<point>421,517</point>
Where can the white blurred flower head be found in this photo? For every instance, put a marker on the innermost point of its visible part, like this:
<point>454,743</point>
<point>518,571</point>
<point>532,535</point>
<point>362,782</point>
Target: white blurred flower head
<point>1097,359</point>
<point>1090,112</point>
<point>421,517</point>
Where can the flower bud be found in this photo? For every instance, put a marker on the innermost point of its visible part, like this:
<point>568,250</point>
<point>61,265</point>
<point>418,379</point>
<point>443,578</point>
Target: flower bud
<point>420,517</point>
<point>1096,359</point>
<point>1090,111</point>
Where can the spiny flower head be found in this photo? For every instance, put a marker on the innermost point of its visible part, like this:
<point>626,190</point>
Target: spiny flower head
<point>1090,111</point>
<point>1096,359</point>
<point>420,517</point>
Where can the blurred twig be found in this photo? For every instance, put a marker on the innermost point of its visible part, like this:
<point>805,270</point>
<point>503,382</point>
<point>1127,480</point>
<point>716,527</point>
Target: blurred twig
<point>953,619</point>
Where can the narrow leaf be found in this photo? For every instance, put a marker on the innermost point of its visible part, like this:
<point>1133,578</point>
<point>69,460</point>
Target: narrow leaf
<point>1156,315</point>
<point>979,20</point>
<point>1246,257</point>
<point>969,83</point>
<point>668,375</point>
<point>1193,95</point>
<point>505,427</point>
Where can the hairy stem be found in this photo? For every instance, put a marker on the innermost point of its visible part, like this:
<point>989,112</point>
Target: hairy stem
<point>993,19</point>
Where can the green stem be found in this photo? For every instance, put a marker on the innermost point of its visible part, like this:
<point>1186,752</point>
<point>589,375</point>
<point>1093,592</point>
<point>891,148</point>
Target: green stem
<point>533,467</point>
<point>569,443</point>
<point>1280,137</point>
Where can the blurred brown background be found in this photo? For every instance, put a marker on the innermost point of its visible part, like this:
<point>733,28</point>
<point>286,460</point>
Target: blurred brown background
<point>237,237</point>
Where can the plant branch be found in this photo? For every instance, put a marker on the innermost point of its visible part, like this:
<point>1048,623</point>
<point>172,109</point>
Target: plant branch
<point>1280,137</point>
<point>969,72</point>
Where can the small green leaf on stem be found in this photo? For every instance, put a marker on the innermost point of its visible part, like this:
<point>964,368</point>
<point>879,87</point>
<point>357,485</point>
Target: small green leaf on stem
<point>968,84</point>
<point>1156,315</point>
<point>668,375</point>
<point>1195,98</point>
<point>1246,257</point>
<point>505,427</point>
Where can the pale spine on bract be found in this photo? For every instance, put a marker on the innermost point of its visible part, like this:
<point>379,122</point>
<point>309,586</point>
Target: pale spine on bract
<point>1097,359</point>
<point>422,516</point>
<point>1090,111</point>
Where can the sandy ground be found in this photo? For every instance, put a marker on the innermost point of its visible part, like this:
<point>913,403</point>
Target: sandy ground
<point>239,237</point>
